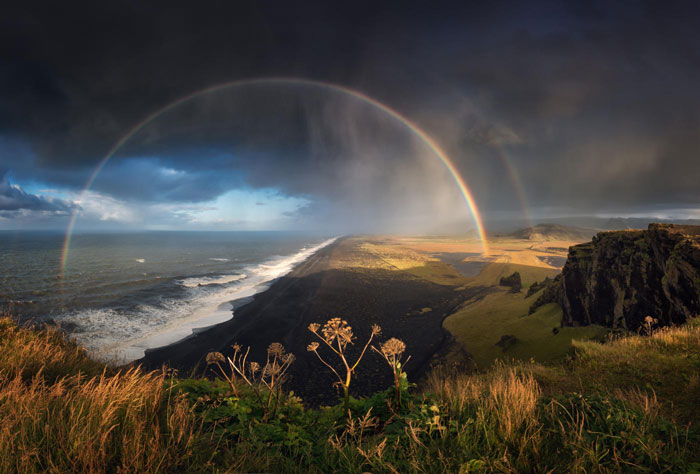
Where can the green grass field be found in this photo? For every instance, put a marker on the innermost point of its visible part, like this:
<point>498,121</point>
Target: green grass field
<point>480,325</point>
<point>492,273</point>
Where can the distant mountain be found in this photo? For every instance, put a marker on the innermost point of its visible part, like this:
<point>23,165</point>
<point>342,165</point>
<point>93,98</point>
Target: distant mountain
<point>554,232</point>
<point>622,223</point>
<point>503,226</point>
<point>619,223</point>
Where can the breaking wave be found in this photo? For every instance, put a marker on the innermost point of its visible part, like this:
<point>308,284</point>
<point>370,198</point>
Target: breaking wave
<point>124,335</point>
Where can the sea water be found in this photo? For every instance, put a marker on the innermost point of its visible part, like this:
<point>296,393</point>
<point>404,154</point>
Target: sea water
<point>119,294</point>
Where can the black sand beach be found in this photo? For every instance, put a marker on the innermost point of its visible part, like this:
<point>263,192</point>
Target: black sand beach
<point>327,285</point>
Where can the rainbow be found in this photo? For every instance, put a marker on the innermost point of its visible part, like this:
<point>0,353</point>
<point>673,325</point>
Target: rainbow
<point>415,129</point>
<point>517,183</point>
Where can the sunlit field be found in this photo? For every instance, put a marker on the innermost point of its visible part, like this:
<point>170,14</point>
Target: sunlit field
<point>478,324</point>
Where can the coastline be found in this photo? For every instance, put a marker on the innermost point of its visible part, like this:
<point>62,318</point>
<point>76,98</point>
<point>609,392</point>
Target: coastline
<point>340,280</point>
<point>190,351</point>
<point>210,308</point>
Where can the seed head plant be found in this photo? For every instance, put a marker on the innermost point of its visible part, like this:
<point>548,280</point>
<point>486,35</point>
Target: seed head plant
<point>647,327</point>
<point>269,378</point>
<point>392,352</point>
<point>337,335</point>
<point>217,358</point>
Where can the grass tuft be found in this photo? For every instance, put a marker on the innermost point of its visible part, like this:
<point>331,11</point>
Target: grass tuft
<point>62,412</point>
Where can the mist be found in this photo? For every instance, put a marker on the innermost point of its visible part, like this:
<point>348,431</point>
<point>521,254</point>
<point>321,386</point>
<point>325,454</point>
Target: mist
<point>357,168</point>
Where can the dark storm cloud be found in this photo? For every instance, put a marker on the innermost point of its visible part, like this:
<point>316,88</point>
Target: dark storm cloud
<point>602,105</point>
<point>594,104</point>
<point>13,198</point>
<point>78,75</point>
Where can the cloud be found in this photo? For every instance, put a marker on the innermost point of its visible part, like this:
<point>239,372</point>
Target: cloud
<point>163,180</point>
<point>98,207</point>
<point>14,199</point>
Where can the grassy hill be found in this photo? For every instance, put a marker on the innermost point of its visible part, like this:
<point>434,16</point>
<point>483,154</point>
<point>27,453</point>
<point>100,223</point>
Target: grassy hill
<point>628,405</point>
<point>479,325</point>
<point>554,232</point>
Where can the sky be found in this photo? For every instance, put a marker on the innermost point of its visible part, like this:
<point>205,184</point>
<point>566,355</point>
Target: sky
<point>545,109</point>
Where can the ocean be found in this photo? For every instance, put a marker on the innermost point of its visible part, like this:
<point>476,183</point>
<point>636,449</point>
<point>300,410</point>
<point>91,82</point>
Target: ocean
<point>122,293</point>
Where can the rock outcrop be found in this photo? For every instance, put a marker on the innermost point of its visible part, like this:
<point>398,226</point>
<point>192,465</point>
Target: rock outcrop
<point>552,293</point>
<point>506,342</point>
<point>623,276</point>
<point>513,282</point>
<point>537,286</point>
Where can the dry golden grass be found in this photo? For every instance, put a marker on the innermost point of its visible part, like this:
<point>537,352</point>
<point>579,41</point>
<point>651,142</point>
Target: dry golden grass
<point>501,249</point>
<point>57,416</point>
<point>509,410</point>
<point>503,394</point>
<point>667,363</point>
<point>93,425</point>
<point>418,257</point>
<point>28,352</point>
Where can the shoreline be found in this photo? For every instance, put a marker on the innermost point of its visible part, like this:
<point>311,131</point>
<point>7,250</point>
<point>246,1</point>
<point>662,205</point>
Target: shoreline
<point>188,352</point>
<point>211,309</point>
<point>340,280</point>
<point>236,305</point>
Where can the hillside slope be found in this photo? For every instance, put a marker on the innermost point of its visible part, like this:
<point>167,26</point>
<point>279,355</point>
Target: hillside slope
<point>553,232</point>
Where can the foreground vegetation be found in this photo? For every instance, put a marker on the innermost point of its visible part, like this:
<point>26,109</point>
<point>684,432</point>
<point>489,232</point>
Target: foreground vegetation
<point>626,405</point>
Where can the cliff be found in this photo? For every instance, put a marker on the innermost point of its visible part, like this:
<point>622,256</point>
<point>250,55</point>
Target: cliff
<point>622,276</point>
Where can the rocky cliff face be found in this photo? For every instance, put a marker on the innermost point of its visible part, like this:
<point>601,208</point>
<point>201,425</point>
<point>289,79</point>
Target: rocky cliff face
<point>622,276</point>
